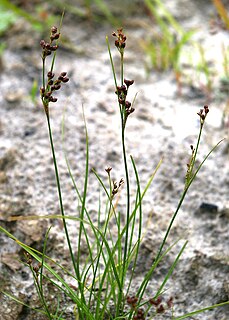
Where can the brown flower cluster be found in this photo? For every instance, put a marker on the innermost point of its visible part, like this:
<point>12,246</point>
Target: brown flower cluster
<point>132,301</point>
<point>140,315</point>
<point>139,312</point>
<point>189,165</point>
<point>122,90</point>
<point>161,308</point>
<point>116,186</point>
<point>122,95</point>
<point>203,113</point>
<point>108,170</point>
<point>49,47</point>
<point>120,42</point>
<point>51,84</point>
<point>29,261</point>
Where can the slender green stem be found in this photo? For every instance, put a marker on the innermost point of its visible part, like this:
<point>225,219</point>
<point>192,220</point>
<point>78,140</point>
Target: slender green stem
<point>75,265</point>
<point>171,222</point>
<point>41,294</point>
<point>83,205</point>
<point>99,255</point>
<point>137,204</point>
<point>60,196</point>
<point>159,255</point>
<point>120,297</point>
<point>188,315</point>
<point>183,194</point>
<point>197,147</point>
<point>171,269</point>
<point>43,258</point>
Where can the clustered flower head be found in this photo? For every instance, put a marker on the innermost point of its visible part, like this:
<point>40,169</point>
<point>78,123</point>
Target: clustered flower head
<point>122,90</point>
<point>49,47</point>
<point>191,160</point>
<point>36,268</point>
<point>52,84</point>
<point>117,186</point>
<point>203,113</point>
<point>122,95</point>
<point>108,170</point>
<point>120,42</point>
<point>132,301</point>
<point>140,313</point>
<point>160,307</point>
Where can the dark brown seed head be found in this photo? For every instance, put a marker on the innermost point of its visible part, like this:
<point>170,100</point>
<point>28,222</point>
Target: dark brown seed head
<point>54,30</point>
<point>108,169</point>
<point>155,302</point>
<point>50,74</point>
<point>48,94</point>
<point>117,43</point>
<point>57,86</point>
<point>170,302</point>
<point>66,79</point>
<point>54,48</point>
<point>127,104</point>
<point>42,43</point>
<point>42,90</point>
<point>140,311</point>
<point>131,110</point>
<point>128,82</point>
<point>56,36</point>
<point>52,99</point>
<point>206,109</point>
<point>121,182</point>
<point>160,309</point>
<point>121,101</point>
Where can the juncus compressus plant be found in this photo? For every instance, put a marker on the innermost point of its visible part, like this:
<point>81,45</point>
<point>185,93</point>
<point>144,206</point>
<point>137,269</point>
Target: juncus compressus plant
<point>105,280</point>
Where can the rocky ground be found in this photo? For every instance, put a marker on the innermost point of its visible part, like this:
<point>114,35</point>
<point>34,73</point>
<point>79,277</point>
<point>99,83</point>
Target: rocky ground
<point>163,125</point>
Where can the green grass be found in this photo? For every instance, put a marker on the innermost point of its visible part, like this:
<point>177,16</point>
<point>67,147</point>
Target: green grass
<point>169,45</point>
<point>92,10</point>
<point>166,46</point>
<point>105,278</point>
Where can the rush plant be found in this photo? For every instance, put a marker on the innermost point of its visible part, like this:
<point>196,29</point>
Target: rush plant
<point>105,280</point>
